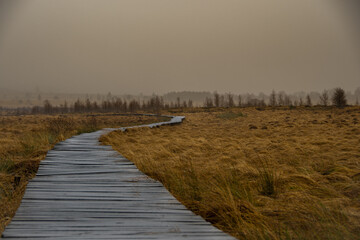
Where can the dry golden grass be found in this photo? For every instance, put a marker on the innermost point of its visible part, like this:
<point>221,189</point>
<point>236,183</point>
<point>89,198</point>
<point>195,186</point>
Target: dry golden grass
<point>272,174</point>
<point>25,140</point>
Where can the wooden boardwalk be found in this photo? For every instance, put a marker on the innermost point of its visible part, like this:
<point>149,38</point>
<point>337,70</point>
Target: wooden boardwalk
<point>87,191</point>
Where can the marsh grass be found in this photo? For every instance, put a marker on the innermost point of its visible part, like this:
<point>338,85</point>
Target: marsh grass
<point>7,165</point>
<point>295,179</point>
<point>230,115</point>
<point>61,124</point>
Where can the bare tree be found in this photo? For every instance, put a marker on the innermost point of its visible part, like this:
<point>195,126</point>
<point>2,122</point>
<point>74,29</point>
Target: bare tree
<point>301,102</point>
<point>308,100</point>
<point>216,99</point>
<point>222,100</point>
<point>208,102</point>
<point>230,100</point>
<point>324,98</point>
<point>65,107</point>
<point>134,105</point>
<point>48,108</point>
<point>281,99</point>
<point>88,105</point>
<point>287,101</point>
<point>240,103</point>
<point>190,103</point>
<point>272,99</point>
<point>339,98</point>
<point>178,103</point>
<point>184,105</point>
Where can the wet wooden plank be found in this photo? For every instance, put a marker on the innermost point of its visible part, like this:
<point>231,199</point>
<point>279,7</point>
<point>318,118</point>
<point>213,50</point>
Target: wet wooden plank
<point>87,191</point>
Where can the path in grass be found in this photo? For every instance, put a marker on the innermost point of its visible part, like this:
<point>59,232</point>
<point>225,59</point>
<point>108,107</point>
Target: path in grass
<point>87,191</point>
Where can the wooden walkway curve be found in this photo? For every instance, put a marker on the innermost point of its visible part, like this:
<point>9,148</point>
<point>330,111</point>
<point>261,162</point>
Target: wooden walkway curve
<point>87,191</point>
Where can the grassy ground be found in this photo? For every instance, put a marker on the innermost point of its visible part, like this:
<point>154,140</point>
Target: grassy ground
<point>25,140</point>
<point>259,174</point>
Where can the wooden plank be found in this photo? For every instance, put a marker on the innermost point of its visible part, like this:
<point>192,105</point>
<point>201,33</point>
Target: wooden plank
<point>87,191</point>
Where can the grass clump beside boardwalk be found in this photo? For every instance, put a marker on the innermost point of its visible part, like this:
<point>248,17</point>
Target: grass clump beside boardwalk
<point>25,140</point>
<point>276,174</point>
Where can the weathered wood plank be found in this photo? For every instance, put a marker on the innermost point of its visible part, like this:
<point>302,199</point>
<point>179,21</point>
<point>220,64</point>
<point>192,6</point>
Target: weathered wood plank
<point>87,191</point>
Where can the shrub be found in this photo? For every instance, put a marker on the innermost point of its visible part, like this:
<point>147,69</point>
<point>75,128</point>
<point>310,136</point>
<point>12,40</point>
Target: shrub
<point>324,98</point>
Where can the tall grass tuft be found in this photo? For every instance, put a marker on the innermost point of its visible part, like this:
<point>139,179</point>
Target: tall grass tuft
<point>267,182</point>
<point>268,178</point>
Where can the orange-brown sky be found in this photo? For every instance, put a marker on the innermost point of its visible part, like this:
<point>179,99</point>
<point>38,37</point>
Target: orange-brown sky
<point>146,46</point>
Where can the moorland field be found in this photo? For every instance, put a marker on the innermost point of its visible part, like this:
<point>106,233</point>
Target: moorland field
<point>265,173</point>
<point>256,173</point>
<point>25,140</point>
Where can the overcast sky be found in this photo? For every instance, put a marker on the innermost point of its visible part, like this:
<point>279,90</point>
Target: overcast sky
<point>146,46</point>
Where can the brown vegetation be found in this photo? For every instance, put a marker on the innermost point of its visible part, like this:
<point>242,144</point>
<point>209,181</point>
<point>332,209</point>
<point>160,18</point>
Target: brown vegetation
<point>290,173</point>
<point>25,140</point>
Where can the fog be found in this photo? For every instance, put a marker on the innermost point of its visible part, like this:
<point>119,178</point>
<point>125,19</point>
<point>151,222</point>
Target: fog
<point>156,46</point>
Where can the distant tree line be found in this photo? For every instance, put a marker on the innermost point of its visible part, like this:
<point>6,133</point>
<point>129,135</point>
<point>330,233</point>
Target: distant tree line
<point>336,97</point>
<point>231,100</point>
<point>154,104</point>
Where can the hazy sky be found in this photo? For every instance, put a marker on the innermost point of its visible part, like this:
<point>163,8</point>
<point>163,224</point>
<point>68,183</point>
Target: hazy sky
<point>134,46</point>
